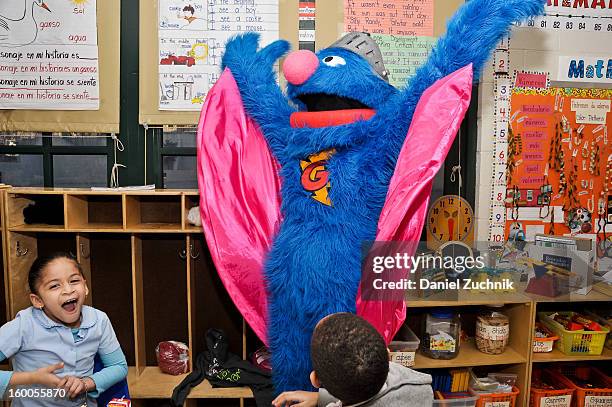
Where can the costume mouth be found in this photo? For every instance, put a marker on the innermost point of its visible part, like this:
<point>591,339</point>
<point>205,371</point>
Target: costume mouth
<point>322,102</point>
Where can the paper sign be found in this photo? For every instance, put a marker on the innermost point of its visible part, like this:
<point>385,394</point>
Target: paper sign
<point>598,401</point>
<point>531,231</point>
<point>531,80</point>
<point>585,69</point>
<point>192,37</point>
<point>49,55</point>
<point>591,111</point>
<point>403,55</point>
<point>391,17</point>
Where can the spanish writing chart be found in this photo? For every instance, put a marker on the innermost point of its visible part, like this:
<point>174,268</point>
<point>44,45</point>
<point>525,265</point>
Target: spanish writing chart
<point>192,37</point>
<point>49,55</point>
<point>403,29</point>
<point>559,164</point>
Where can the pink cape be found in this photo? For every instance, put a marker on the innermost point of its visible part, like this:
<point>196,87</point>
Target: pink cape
<point>240,191</point>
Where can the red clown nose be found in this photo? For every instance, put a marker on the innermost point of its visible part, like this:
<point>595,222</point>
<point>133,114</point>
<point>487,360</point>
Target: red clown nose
<point>299,66</point>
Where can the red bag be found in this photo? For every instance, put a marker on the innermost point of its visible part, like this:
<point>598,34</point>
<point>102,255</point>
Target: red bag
<point>172,357</point>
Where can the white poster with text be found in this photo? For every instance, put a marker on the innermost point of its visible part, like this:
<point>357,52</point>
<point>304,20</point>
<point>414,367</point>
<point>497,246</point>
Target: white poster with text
<point>49,55</point>
<point>585,69</point>
<point>192,37</point>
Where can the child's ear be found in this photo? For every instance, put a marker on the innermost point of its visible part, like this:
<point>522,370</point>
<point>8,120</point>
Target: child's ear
<point>36,301</point>
<point>314,380</point>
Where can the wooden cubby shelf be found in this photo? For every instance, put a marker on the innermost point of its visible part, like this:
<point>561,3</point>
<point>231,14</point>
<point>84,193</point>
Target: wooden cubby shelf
<point>146,267</point>
<point>144,213</point>
<point>48,208</point>
<point>190,201</point>
<point>153,384</point>
<point>558,356</point>
<point>94,213</point>
<point>470,356</point>
<point>150,270</point>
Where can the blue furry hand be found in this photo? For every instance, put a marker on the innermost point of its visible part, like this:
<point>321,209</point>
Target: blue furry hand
<point>242,55</point>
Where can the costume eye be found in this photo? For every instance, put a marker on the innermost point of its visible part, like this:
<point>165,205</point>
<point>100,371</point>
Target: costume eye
<point>334,61</point>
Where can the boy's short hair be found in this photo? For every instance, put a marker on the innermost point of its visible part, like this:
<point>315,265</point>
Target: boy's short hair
<point>349,357</point>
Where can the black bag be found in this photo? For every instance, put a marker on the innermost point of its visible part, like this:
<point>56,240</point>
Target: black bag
<point>224,369</point>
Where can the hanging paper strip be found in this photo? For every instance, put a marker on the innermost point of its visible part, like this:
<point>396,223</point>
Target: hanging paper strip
<point>307,25</point>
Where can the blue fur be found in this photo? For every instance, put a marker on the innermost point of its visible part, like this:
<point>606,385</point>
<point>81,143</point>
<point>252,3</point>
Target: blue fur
<point>313,268</point>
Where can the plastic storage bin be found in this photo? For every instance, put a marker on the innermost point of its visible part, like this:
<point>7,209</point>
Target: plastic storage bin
<point>575,342</point>
<point>441,335</point>
<point>496,399</point>
<point>559,397</point>
<point>403,347</point>
<point>603,322</point>
<point>586,397</point>
<point>492,331</point>
<point>543,345</point>
<point>458,402</point>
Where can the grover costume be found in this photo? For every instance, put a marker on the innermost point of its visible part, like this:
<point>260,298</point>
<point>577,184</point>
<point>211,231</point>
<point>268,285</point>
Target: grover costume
<point>293,183</point>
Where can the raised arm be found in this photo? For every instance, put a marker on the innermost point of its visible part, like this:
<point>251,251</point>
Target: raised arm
<point>471,36</point>
<point>253,71</point>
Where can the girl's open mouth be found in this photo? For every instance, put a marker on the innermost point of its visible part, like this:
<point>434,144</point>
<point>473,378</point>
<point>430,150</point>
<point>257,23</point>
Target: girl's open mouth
<point>70,305</point>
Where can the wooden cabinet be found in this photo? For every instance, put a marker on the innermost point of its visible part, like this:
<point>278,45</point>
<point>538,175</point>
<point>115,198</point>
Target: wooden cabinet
<point>150,270</point>
<point>146,266</point>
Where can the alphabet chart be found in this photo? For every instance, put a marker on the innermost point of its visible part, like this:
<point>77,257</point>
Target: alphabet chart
<point>192,37</point>
<point>49,55</point>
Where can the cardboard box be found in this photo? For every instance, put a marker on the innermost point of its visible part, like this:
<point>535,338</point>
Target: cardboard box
<point>569,261</point>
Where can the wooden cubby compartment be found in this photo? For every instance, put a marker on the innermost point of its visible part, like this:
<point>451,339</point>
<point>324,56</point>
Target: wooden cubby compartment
<point>190,201</point>
<point>515,357</point>
<point>151,275</point>
<point>556,355</point>
<point>106,259</point>
<point>517,350</point>
<point>23,248</point>
<point>49,210</point>
<point>164,292</point>
<point>212,306</point>
<point>153,212</point>
<point>94,212</point>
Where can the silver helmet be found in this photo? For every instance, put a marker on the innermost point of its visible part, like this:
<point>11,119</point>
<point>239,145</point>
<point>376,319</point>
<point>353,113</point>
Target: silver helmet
<point>362,44</point>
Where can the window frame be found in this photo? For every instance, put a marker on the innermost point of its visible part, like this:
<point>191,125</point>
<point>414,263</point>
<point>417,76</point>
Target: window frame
<point>47,150</point>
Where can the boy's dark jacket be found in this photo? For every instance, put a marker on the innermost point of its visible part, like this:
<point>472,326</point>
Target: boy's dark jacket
<point>404,387</point>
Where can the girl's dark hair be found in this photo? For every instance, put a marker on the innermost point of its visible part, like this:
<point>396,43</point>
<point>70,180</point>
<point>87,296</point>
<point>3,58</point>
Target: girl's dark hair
<point>42,262</point>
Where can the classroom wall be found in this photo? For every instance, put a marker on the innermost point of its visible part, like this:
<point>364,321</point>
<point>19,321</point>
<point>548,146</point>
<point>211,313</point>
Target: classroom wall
<point>530,50</point>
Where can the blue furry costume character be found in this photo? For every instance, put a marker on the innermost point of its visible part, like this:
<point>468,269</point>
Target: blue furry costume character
<point>313,268</point>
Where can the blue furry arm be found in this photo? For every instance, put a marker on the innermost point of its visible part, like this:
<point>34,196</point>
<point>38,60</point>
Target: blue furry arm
<point>254,73</point>
<point>471,36</point>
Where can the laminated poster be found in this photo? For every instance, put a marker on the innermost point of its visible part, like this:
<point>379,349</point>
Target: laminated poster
<point>192,37</point>
<point>403,29</point>
<point>49,55</point>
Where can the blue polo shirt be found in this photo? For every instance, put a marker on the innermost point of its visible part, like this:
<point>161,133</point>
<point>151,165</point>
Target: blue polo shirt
<point>33,340</point>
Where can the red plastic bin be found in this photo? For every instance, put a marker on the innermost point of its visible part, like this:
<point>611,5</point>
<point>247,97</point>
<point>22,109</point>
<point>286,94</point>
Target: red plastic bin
<point>497,399</point>
<point>586,397</point>
<point>545,397</point>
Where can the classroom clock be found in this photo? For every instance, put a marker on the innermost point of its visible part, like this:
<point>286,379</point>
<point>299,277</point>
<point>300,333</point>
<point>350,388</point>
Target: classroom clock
<point>450,218</point>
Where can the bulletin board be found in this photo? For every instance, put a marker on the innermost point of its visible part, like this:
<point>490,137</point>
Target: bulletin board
<point>104,120</point>
<point>329,25</point>
<point>559,174</point>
